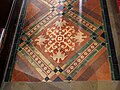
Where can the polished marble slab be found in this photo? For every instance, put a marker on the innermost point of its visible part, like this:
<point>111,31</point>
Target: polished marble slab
<point>85,85</point>
<point>64,40</point>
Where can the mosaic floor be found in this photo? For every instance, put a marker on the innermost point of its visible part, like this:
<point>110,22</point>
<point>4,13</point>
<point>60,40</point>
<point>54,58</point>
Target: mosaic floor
<point>63,40</point>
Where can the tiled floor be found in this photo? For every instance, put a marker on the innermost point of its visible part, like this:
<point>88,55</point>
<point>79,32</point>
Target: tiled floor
<point>63,40</point>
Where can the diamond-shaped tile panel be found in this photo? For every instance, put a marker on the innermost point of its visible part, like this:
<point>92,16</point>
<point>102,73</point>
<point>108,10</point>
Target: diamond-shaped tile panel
<point>59,39</point>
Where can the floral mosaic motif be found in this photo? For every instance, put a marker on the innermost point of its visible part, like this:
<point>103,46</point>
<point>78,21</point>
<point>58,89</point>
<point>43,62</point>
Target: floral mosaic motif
<point>61,38</point>
<point>80,37</point>
<point>40,40</point>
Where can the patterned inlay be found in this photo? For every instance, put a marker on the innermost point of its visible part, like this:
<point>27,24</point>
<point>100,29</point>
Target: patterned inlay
<point>59,39</point>
<point>64,41</point>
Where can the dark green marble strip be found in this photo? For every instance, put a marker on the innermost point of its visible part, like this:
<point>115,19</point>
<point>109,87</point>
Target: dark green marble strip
<point>110,43</point>
<point>83,63</point>
<point>78,53</point>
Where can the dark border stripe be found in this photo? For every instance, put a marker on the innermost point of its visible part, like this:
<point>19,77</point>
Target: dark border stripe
<point>20,22</point>
<point>110,38</point>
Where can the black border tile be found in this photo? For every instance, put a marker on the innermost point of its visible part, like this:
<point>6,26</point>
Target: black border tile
<point>111,41</point>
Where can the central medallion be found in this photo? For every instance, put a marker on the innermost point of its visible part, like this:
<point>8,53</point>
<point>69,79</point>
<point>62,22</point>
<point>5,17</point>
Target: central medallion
<point>60,39</point>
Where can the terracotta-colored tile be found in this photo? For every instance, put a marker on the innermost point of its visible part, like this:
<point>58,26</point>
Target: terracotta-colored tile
<point>31,11</point>
<point>89,63</point>
<point>62,42</point>
<point>102,73</point>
